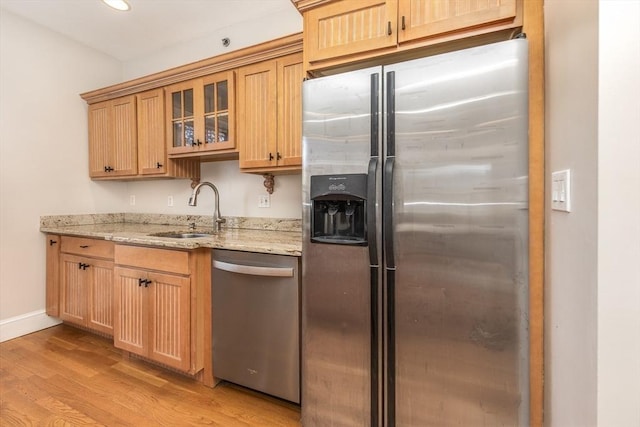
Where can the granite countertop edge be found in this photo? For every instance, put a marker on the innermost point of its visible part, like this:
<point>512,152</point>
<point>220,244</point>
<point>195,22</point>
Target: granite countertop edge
<point>272,236</point>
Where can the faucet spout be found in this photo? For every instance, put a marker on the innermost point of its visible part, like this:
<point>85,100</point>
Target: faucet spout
<point>193,200</point>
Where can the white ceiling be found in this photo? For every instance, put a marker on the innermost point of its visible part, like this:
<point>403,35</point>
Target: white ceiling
<point>150,25</point>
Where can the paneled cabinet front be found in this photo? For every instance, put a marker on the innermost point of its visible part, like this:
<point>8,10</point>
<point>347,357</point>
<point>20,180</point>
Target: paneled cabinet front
<point>270,106</point>
<point>86,283</point>
<point>201,116</point>
<point>112,138</point>
<point>339,32</point>
<point>153,315</point>
<point>154,306</point>
<point>127,140</point>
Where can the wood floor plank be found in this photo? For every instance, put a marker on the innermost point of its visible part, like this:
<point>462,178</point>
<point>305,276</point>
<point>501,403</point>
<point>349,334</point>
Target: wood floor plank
<point>66,376</point>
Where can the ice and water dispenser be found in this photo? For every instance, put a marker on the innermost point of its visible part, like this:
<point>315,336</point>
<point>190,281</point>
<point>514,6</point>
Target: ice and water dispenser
<point>338,209</point>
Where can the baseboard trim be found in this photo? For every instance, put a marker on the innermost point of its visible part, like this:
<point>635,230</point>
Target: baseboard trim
<point>24,324</point>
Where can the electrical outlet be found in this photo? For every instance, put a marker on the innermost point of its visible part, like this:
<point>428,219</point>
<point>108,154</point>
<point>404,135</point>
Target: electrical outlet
<point>132,200</point>
<point>264,201</point>
<point>169,200</point>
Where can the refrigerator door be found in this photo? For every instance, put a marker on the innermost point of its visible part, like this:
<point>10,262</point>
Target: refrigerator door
<point>458,288</point>
<point>339,368</point>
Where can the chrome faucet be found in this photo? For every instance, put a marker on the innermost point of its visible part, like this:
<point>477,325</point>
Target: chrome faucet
<point>193,200</point>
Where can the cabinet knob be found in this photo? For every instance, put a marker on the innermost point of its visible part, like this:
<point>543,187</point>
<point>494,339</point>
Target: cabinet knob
<point>158,165</point>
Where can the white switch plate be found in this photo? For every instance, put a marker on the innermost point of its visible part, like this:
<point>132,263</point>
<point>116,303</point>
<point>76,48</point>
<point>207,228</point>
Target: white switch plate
<point>132,200</point>
<point>561,190</point>
<point>264,201</point>
<point>169,200</point>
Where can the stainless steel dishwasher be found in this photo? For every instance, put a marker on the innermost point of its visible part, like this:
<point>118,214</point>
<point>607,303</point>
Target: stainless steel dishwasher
<point>256,321</point>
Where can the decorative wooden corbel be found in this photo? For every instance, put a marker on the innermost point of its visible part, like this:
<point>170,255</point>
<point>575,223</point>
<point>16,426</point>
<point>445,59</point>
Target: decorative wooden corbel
<point>269,182</point>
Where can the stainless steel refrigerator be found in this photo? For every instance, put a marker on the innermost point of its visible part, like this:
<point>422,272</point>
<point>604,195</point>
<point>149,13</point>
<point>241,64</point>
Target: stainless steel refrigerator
<point>415,240</point>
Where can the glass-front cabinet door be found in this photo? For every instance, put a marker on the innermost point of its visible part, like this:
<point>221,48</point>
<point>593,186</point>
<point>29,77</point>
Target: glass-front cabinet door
<point>200,115</point>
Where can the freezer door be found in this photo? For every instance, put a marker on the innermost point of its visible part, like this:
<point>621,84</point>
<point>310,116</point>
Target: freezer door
<point>459,342</point>
<point>339,367</point>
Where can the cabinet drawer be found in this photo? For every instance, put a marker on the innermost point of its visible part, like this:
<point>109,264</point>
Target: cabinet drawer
<point>176,262</point>
<point>88,247</point>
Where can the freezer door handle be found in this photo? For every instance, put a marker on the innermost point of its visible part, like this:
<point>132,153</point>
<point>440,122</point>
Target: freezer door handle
<point>253,270</point>
<point>371,212</point>
<point>388,212</point>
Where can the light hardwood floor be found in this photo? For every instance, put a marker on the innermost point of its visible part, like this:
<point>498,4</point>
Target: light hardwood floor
<point>63,376</point>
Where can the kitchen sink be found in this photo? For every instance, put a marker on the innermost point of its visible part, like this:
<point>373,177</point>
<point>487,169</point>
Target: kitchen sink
<point>177,235</point>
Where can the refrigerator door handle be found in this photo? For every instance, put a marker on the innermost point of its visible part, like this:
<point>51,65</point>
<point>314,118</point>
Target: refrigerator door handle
<point>375,114</point>
<point>387,198</point>
<point>371,212</point>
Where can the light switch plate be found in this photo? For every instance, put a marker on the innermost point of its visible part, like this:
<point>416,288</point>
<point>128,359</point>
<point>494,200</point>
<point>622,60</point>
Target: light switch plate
<point>561,190</point>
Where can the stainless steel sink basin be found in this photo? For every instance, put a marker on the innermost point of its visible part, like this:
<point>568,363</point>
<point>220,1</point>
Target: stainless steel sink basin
<point>174,235</point>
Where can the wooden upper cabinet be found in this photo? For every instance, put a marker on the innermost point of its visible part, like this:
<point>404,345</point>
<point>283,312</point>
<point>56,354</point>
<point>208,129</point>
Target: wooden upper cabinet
<point>348,27</point>
<point>112,138</point>
<point>200,116</point>
<point>423,18</point>
<point>340,32</point>
<point>270,115</point>
<point>152,150</point>
<point>127,140</point>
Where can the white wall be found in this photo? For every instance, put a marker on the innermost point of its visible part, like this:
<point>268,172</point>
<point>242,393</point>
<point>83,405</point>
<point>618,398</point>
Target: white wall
<point>619,214</point>
<point>571,42</point>
<point>43,150</point>
<point>592,289</point>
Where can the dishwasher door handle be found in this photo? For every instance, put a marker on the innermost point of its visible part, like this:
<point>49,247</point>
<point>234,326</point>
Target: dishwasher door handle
<point>252,270</point>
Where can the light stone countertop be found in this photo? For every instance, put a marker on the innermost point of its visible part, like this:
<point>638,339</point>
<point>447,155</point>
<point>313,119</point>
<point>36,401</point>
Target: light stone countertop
<point>264,235</point>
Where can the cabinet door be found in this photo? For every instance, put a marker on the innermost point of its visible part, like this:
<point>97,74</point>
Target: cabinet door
<point>100,296</point>
<point>183,130</point>
<point>290,75</point>
<point>427,18</point>
<point>170,320</point>
<point>349,27</point>
<point>74,288</point>
<point>152,148</point>
<point>130,311</point>
<point>257,115</point>
<point>112,138</point>
<point>218,112</point>
<point>53,275</point>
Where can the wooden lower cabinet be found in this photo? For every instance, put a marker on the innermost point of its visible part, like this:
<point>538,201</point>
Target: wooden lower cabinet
<point>80,282</point>
<point>86,292</point>
<point>153,312</point>
<point>161,297</point>
<point>53,275</point>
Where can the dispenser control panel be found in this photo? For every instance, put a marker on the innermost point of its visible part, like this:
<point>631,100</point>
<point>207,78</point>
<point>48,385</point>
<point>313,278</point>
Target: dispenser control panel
<point>338,212</point>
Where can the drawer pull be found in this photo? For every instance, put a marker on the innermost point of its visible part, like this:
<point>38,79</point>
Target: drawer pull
<point>84,246</point>
<point>52,242</point>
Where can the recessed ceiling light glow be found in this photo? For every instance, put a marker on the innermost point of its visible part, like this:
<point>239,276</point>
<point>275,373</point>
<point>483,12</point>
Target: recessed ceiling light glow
<point>118,4</point>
